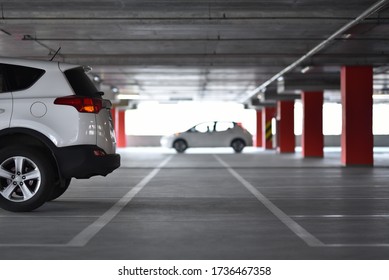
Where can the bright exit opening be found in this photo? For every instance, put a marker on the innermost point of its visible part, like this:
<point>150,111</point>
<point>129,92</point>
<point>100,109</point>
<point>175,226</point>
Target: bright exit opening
<point>152,118</point>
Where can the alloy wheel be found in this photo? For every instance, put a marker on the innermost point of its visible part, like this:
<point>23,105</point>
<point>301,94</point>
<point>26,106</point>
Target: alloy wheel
<point>20,179</point>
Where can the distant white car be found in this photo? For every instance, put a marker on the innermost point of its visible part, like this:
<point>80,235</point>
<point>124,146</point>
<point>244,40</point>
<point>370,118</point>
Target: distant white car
<point>210,134</point>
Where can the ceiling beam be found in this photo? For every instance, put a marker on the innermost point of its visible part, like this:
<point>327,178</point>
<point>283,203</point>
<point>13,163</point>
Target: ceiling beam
<point>297,82</point>
<point>368,12</point>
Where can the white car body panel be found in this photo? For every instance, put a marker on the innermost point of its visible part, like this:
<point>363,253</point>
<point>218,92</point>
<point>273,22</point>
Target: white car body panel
<point>34,108</point>
<point>5,109</point>
<point>105,131</point>
<point>74,129</point>
<point>196,139</point>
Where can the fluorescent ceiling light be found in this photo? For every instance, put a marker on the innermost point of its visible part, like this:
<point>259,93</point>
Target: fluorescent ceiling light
<point>346,35</point>
<point>305,69</point>
<point>381,97</point>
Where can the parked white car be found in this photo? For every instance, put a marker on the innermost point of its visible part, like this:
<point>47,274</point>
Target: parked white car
<point>210,134</point>
<point>54,125</point>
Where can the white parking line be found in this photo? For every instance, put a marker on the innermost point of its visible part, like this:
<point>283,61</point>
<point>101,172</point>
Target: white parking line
<point>339,216</point>
<point>89,232</point>
<point>358,245</point>
<point>46,216</point>
<point>289,222</point>
<point>295,227</point>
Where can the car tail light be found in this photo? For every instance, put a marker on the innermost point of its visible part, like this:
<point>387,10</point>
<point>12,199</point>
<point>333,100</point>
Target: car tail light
<point>241,126</point>
<point>82,104</point>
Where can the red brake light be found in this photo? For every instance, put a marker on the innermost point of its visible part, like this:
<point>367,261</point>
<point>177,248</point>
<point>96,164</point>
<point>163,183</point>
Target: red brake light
<point>241,126</point>
<point>82,104</point>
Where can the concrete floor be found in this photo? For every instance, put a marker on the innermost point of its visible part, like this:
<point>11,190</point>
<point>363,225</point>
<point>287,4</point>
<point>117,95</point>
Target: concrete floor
<point>212,204</point>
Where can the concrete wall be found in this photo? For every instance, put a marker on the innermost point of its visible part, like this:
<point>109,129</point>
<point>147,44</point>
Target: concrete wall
<point>329,141</point>
<point>143,141</point>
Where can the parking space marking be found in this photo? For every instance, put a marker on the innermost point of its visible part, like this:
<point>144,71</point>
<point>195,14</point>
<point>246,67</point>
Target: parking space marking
<point>33,245</point>
<point>334,216</point>
<point>88,233</point>
<point>331,198</point>
<point>285,219</point>
<point>82,238</point>
<point>339,216</point>
<point>357,245</point>
<point>294,226</point>
<point>47,216</point>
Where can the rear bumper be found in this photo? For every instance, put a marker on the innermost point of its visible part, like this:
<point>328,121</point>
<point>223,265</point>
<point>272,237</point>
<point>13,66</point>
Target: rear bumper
<point>81,162</point>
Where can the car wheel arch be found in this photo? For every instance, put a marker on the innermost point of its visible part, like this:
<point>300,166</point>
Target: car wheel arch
<point>17,132</point>
<point>31,138</point>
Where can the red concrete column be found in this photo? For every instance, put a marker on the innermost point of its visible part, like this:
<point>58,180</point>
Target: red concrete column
<point>286,141</point>
<point>357,114</point>
<point>119,123</point>
<point>258,137</point>
<point>268,113</point>
<point>312,141</point>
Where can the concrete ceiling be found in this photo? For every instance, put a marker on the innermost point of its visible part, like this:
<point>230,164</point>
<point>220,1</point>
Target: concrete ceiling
<point>196,49</point>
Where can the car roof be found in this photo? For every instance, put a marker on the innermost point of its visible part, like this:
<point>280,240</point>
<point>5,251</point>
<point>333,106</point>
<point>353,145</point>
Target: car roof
<point>41,64</point>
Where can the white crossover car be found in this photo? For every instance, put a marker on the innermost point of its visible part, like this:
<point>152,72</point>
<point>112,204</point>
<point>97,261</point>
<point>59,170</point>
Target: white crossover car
<point>54,125</point>
<point>210,134</point>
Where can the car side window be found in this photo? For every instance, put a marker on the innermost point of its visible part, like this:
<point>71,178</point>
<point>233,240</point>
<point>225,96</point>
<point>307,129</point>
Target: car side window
<point>205,127</point>
<point>20,77</point>
<point>223,126</point>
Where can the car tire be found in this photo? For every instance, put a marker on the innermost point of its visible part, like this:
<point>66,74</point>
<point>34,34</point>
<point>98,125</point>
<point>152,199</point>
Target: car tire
<point>59,189</point>
<point>238,145</point>
<point>180,146</point>
<point>26,178</point>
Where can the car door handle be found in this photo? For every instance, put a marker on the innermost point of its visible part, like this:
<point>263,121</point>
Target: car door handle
<point>2,111</point>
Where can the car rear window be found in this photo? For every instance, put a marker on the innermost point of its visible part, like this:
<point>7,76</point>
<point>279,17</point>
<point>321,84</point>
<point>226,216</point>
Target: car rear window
<point>20,77</point>
<point>224,126</point>
<point>80,83</point>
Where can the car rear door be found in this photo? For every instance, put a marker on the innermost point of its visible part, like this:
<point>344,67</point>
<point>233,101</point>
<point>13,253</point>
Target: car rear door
<point>201,136</point>
<point>84,87</point>
<point>223,134</point>
<point>5,101</point>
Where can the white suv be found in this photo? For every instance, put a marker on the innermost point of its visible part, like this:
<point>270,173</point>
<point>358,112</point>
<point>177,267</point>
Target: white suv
<point>54,125</point>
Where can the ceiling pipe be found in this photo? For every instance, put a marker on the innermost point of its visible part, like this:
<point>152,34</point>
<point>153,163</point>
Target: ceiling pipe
<point>372,9</point>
